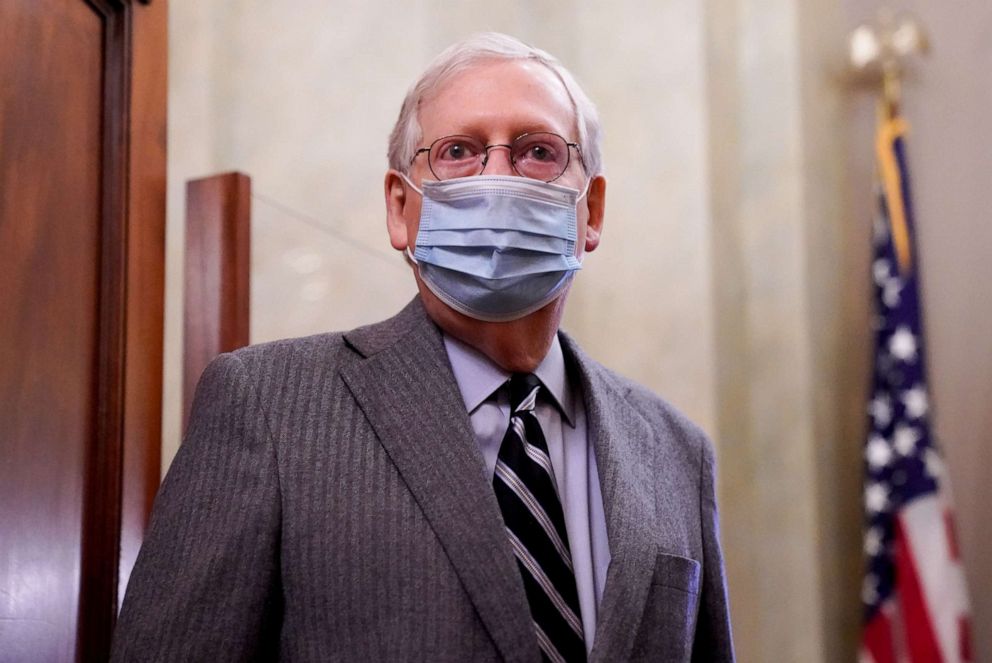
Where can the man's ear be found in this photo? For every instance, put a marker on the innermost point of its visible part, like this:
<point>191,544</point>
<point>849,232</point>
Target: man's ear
<point>596,204</point>
<point>396,201</point>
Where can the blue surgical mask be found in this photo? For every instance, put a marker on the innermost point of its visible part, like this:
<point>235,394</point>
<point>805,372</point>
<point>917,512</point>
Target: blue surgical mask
<point>494,247</point>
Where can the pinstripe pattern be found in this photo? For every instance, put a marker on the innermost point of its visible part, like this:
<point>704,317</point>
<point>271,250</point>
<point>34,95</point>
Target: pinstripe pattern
<point>535,525</point>
<point>286,531</point>
<point>328,504</point>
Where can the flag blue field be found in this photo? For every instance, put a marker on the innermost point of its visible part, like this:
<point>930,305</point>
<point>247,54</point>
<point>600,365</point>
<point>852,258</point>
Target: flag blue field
<point>914,594</point>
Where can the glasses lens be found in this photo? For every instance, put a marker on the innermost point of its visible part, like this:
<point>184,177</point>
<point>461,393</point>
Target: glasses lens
<point>541,156</point>
<point>456,156</point>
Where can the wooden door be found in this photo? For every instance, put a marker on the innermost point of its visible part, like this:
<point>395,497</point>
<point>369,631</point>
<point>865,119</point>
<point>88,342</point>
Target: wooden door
<point>82,207</point>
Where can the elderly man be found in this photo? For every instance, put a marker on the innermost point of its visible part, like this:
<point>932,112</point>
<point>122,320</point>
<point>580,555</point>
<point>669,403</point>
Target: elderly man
<point>460,482</point>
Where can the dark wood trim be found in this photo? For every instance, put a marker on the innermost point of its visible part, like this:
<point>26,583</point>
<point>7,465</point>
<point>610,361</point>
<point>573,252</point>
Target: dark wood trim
<point>145,299</point>
<point>108,8</point>
<point>218,266</point>
<point>101,516</point>
<point>123,465</point>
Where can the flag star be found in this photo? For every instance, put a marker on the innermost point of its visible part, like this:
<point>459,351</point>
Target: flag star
<point>878,452</point>
<point>880,410</point>
<point>915,401</point>
<point>891,291</point>
<point>876,497</point>
<point>869,589</point>
<point>873,541</point>
<point>933,464</point>
<point>881,271</point>
<point>902,344</point>
<point>905,439</point>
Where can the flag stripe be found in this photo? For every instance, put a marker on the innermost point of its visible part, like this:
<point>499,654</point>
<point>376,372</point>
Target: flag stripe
<point>877,641</point>
<point>940,577</point>
<point>964,637</point>
<point>951,534</point>
<point>919,631</point>
<point>914,594</point>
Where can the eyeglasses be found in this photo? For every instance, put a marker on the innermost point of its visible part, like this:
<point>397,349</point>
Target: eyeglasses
<point>540,155</point>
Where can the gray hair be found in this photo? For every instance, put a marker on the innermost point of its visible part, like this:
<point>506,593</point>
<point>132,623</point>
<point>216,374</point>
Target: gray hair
<point>471,51</point>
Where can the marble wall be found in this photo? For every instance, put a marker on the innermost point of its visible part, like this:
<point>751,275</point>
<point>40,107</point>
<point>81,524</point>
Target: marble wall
<point>733,274</point>
<point>303,101</point>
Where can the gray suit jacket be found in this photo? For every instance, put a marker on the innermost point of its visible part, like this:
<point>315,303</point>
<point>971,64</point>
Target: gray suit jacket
<point>330,503</point>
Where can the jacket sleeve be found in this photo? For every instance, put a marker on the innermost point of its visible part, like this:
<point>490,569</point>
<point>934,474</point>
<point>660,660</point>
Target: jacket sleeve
<point>206,582</point>
<point>713,640</point>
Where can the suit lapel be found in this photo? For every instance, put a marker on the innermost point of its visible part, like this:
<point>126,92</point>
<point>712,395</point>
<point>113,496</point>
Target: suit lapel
<point>405,387</point>
<point>619,436</point>
<point>407,391</point>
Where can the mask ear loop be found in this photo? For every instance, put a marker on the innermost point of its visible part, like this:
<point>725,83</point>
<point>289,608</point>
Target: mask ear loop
<point>582,195</point>
<point>407,253</point>
<point>585,190</point>
<point>411,184</point>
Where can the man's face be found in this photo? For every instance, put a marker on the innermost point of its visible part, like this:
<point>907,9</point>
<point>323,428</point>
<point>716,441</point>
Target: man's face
<point>496,102</point>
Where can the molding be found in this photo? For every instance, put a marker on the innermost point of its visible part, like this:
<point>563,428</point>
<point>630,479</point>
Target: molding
<point>104,468</point>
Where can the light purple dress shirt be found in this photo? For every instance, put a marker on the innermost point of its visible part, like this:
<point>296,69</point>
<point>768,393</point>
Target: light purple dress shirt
<point>572,457</point>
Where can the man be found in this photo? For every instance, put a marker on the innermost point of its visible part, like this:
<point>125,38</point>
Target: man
<point>460,482</point>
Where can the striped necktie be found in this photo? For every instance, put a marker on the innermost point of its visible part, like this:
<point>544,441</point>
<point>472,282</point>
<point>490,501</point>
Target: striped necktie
<point>528,497</point>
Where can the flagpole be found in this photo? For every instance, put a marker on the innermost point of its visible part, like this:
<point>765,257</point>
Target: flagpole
<point>891,90</point>
<point>878,54</point>
<point>914,597</point>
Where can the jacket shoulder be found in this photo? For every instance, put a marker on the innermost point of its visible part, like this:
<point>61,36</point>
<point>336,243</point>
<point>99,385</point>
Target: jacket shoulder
<point>659,415</point>
<point>307,350</point>
<point>660,412</point>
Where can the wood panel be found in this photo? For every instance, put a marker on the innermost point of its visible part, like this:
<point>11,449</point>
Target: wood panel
<point>49,338</point>
<point>82,163</point>
<point>218,265</point>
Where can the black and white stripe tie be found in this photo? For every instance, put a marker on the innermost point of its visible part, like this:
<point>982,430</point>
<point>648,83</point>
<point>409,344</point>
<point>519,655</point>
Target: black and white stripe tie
<point>528,497</point>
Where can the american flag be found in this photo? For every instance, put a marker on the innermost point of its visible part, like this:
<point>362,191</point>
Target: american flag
<point>914,594</point>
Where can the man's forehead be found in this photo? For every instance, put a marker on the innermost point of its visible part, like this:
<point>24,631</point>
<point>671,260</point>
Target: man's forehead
<point>501,92</point>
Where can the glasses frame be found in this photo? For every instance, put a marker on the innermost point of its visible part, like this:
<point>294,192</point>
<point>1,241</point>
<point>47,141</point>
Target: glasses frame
<point>509,147</point>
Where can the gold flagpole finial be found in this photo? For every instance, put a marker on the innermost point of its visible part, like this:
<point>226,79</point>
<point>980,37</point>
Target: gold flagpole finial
<point>878,51</point>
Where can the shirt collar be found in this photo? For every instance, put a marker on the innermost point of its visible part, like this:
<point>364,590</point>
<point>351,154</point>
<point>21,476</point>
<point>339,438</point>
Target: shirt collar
<point>478,377</point>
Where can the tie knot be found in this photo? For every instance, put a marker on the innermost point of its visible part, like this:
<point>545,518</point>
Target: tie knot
<point>523,391</point>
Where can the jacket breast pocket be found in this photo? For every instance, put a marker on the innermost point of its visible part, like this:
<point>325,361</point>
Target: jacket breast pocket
<point>669,622</point>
